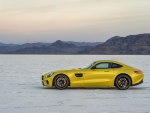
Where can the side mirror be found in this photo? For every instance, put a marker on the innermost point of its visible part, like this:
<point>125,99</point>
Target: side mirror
<point>93,67</point>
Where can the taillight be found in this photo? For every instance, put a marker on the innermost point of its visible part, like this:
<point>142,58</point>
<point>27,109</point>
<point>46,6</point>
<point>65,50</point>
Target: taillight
<point>138,72</point>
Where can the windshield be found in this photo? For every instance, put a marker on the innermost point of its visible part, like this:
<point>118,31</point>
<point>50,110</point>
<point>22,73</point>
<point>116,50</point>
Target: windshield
<point>87,67</point>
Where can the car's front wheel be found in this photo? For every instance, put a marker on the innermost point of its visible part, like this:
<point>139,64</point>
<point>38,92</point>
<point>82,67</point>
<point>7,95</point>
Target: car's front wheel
<point>123,82</point>
<point>61,82</point>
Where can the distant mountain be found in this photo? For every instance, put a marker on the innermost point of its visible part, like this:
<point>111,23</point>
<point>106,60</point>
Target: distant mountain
<point>7,48</point>
<point>57,47</point>
<point>3,44</point>
<point>84,43</point>
<point>60,44</point>
<point>38,44</point>
<point>132,44</point>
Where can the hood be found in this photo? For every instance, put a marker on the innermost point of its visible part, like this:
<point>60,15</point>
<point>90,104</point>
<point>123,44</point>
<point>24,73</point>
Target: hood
<point>60,71</point>
<point>66,70</point>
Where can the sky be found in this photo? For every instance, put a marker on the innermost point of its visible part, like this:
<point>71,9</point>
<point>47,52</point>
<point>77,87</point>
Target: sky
<point>23,21</point>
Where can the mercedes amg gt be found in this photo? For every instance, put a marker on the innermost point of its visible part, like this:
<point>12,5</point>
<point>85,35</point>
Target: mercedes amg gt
<point>103,73</point>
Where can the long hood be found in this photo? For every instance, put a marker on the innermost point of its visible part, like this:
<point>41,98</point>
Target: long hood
<point>66,70</point>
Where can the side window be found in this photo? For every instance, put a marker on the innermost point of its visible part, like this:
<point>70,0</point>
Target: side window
<point>116,65</point>
<point>102,66</point>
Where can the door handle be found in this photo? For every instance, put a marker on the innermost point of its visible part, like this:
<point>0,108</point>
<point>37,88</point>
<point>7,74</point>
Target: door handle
<point>106,71</point>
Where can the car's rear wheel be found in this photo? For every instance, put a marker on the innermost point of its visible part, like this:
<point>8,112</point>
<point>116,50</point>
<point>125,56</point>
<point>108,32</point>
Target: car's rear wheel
<point>123,82</point>
<point>61,82</point>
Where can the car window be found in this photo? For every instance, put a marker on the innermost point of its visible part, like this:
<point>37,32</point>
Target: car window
<point>114,65</point>
<point>89,65</point>
<point>102,66</point>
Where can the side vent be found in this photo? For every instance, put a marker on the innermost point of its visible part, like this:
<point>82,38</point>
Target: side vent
<point>79,75</point>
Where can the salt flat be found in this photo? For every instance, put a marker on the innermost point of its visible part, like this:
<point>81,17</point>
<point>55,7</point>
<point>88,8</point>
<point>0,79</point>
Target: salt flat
<point>21,89</point>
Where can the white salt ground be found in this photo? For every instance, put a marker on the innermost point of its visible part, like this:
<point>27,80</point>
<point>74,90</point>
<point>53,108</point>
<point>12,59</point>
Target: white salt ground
<point>21,90</point>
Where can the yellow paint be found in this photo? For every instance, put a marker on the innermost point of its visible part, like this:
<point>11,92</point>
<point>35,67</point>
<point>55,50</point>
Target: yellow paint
<point>95,77</point>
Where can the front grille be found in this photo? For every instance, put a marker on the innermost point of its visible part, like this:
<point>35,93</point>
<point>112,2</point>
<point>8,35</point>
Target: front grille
<point>42,77</point>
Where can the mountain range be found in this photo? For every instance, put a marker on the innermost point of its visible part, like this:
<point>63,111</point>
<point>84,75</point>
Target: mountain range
<point>58,47</point>
<point>132,44</point>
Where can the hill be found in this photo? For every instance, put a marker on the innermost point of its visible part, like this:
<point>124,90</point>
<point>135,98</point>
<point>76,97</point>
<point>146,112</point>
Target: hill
<point>129,45</point>
<point>132,44</point>
<point>57,47</point>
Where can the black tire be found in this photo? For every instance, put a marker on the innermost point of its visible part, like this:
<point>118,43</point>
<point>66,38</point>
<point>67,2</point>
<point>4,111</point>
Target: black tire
<point>61,82</point>
<point>123,82</point>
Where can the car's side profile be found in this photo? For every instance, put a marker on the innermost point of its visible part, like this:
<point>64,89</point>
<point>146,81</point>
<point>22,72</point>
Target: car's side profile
<point>103,73</point>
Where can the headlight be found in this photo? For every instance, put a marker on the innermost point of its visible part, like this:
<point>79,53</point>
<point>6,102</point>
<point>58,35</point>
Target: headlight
<point>50,74</point>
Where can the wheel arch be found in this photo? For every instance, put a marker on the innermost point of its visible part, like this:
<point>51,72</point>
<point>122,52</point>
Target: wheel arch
<point>61,74</point>
<point>122,74</point>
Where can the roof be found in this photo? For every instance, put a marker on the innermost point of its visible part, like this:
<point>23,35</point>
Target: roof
<point>110,61</point>
<point>106,61</point>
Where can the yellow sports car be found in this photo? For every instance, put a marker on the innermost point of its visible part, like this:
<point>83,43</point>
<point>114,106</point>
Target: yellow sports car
<point>103,73</point>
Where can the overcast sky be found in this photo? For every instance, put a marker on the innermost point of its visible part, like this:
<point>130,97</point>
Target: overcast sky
<point>24,21</point>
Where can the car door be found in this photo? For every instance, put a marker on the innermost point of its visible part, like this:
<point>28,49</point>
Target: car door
<point>99,75</point>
